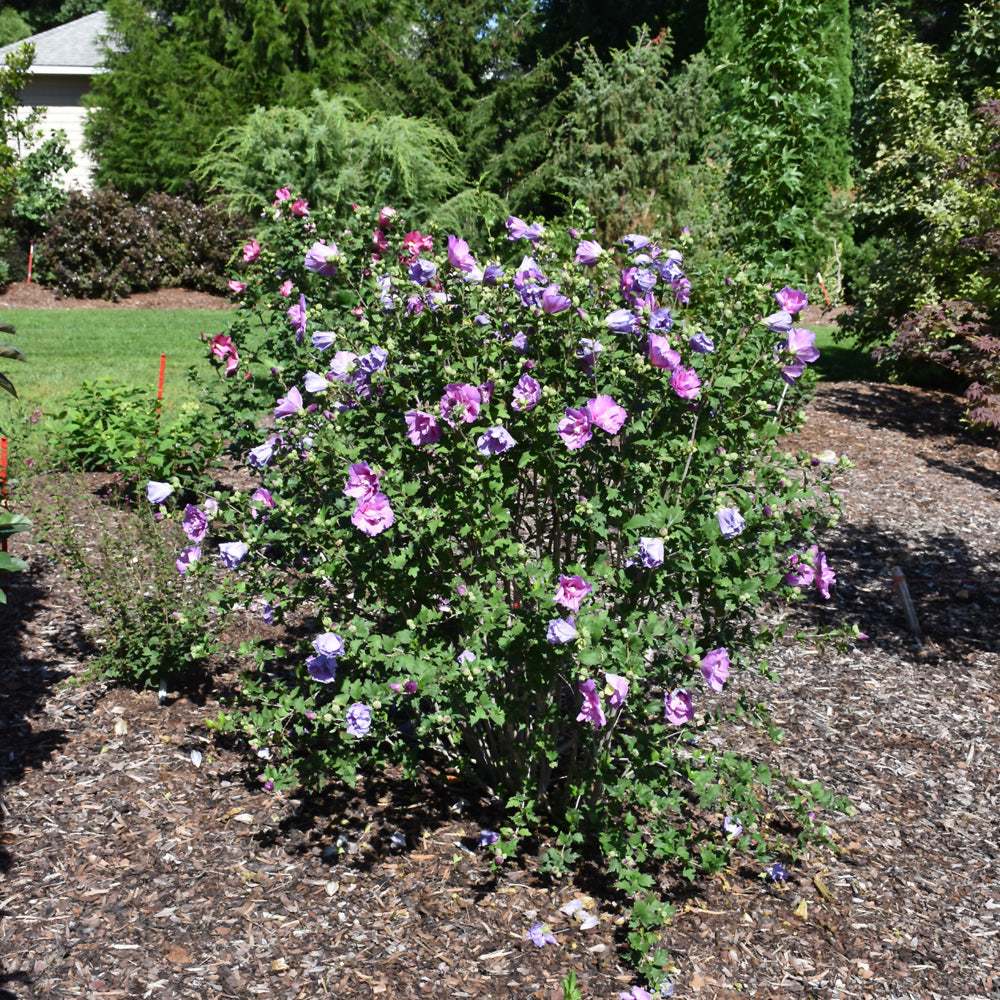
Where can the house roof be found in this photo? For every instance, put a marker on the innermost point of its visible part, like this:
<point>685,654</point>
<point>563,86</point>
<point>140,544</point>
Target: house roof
<point>70,49</point>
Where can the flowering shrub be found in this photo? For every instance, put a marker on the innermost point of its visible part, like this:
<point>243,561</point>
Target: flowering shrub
<point>532,497</point>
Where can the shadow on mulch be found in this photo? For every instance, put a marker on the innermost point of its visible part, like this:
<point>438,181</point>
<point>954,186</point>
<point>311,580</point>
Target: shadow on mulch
<point>25,683</point>
<point>955,597</point>
<point>905,409</point>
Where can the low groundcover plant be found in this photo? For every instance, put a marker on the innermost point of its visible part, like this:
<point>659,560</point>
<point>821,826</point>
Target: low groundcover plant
<point>532,496</point>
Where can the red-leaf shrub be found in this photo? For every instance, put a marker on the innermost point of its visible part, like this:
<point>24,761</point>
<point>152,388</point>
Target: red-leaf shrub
<point>102,245</point>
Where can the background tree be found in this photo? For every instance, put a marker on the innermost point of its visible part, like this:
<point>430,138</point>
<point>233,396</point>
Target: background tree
<point>784,78</point>
<point>17,131</point>
<point>13,26</point>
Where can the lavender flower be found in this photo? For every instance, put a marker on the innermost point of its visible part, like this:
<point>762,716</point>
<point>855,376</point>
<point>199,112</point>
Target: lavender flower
<point>715,668</point>
<point>678,707</point>
<point>323,258</point>
<point>195,523</point>
<point>590,709</point>
<point>288,405</point>
<point>731,522</point>
<point>232,553</point>
<point>188,558</point>
<point>359,719</point>
<point>158,492</point>
<point>561,630</point>
<point>495,441</point>
<point>527,394</point>
<point>540,935</point>
<point>422,428</point>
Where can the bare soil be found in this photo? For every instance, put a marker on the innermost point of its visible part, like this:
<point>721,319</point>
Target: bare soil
<point>21,295</point>
<point>128,869</point>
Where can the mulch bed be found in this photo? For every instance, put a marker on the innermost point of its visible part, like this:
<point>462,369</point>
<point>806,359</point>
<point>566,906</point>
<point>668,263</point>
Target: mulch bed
<point>129,870</point>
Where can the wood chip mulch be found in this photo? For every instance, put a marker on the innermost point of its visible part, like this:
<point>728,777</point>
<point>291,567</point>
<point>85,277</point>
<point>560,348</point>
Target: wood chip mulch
<point>129,869</point>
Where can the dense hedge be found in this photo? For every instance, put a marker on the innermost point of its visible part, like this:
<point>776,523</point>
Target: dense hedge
<point>102,245</point>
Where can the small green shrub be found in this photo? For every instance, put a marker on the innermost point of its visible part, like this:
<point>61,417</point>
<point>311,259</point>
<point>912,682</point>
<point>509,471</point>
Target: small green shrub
<point>101,245</point>
<point>156,625</point>
<point>110,427</point>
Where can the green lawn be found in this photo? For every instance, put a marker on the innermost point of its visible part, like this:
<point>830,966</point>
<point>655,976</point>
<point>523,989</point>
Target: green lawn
<point>67,347</point>
<point>841,362</point>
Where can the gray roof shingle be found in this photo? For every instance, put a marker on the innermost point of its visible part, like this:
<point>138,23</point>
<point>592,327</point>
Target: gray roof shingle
<point>70,48</point>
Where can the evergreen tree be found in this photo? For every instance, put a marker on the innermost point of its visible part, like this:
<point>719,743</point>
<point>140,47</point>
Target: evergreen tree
<point>785,79</point>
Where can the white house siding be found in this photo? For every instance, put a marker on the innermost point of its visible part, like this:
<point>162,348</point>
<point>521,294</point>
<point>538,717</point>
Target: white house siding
<point>61,96</point>
<point>66,59</point>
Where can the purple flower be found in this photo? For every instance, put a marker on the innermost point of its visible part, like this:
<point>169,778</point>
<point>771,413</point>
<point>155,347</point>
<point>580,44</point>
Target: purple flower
<point>195,523</point>
<point>661,354</point>
<point>622,321</point>
<point>322,339</point>
<point>519,342</point>
<point>650,553</point>
<point>643,281</point>
<point>715,668</point>
<point>362,482</point>
<point>678,707</point>
<point>606,414</point>
<point>685,382</point>
<point>158,492</point>
<point>824,576</point>
<point>328,644</point>
<point>259,457</point>
<point>779,322</point>
<point>373,361</point>
<point>571,590</point>
<point>776,872</point>
<point>422,428</point>
<point>461,401</point>
<point>801,345</point>
<point>322,669</point>
<point>343,365</point>
<point>553,302</point>
<point>232,553</point>
<point>661,319</point>
<point>459,255</point>
<point>288,405</point>
<point>495,441</point>
<point>732,827</point>
<point>527,394</point>
<point>588,253</point>
<point>359,719</point>
<point>323,258</point>
<point>638,993</point>
<point>421,271</point>
<point>373,515</point>
<point>540,934</point>
<point>574,428</point>
<point>561,630</point>
<point>487,838</point>
<point>616,690</point>
<point>801,567</point>
<point>791,300</point>
<point>188,558</point>
<point>702,343</point>
<point>466,656</point>
<point>492,274</point>
<point>297,317</point>
<point>634,242</point>
<point>731,522</point>
<point>262,454</point>
<point>314,382</point>
<point>518,229</point>
<point>590,710</point>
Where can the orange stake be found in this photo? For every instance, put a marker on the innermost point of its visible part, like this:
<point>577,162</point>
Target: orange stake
<point>159,388</point>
